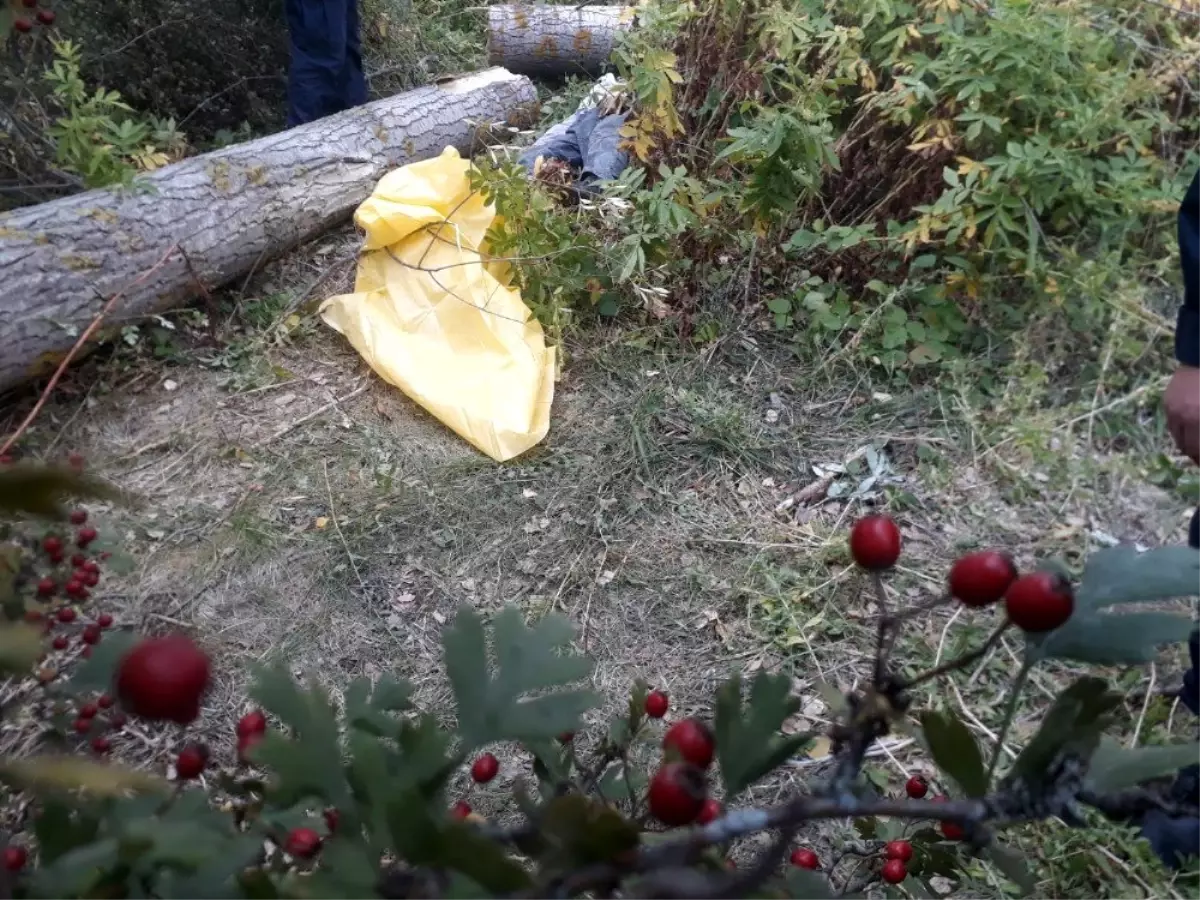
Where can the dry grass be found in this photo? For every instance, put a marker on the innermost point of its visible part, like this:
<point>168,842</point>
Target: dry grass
<point>298,508</point>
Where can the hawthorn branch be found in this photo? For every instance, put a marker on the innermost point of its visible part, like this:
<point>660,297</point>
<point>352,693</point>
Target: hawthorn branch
<point>964,660</point>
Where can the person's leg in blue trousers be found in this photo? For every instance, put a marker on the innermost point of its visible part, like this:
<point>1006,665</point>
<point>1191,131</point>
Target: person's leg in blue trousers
<point>326,73</point>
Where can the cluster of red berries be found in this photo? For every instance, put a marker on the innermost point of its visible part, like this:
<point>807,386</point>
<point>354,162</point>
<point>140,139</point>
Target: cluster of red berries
<point>917,787</point>
<point>896,855</point>
<point>24,25</point>
<point>1034,602</point>
<point>678,793</point>
<point>89,720</point>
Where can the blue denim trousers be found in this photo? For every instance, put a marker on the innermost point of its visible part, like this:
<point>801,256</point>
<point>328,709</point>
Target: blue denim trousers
<point>326,74</point>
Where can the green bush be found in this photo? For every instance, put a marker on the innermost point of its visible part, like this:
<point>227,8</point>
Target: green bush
<point>352,798</point>
<point>923,178</point>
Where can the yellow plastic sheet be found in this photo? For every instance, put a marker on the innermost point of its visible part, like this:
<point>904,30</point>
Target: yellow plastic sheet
<point>434,316</point>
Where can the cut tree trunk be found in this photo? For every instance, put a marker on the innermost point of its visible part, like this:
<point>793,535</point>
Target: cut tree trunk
<point>550,41</point>
<point>217,216</point>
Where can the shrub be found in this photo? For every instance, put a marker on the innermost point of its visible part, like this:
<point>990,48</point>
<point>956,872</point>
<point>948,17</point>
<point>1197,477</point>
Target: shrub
<point>351,798</point>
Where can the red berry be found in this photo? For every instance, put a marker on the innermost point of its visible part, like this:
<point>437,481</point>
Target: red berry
<point>191,761</point>
<point>76,589</point>
<point>1039,601</point>
<point>46,16</point>
<point>676,793</point>
<point>85,536</point>
<point>302,842</point>
<point>66,614</point>
<point>83,726</point>
<point>101,744</point>
<point>331,819</point>
<point>22,25</point>
<point>118,721</point>
<point>75,460</point>
<point>91,566</point>
<point>692,740</point>
<point>164,678</point>
<point>980,579</point>
<point>952,831</point>
<point>78,516</point>
<point>805,859</point>
<point>485,768</point>
<point>894,871</point>
<point>875,542</point>
<point>46,587</point>
<point>91,634</point>
<point>916,787</point>
<point>656,704</point>
<point>252,724</point>
<point>88,711</point>
<point>460,810</point>
<point>566,737</point>
<point>105,701</point>
<point>60,642</point>
<point>709,811</point>
<point>52,545</point>
<point>104,620</point>
<point>901,850</point>
<point>245,744</point>
<point>15,858</point>
<point>91,579</point>
<point>56,557</point>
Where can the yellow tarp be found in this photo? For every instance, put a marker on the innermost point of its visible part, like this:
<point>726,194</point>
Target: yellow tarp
<point>434,316</point>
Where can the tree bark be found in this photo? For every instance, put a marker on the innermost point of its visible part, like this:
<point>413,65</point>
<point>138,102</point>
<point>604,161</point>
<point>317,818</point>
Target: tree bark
<point>549,41</point>
<point>217,216</point>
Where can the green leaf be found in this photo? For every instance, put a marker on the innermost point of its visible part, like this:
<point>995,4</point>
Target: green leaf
<point>74,873</point>
<point>749,744</point>
<point>348,869</point>
<point>953,748</point>
<point>579,831</point>
<point>1075,721</point>
<point>455,845</point>
<point>781,306</point>
<point>1013,866</point>
<point>216,877</point>
<point>1123,575</point>
<point>1114,768</point>
<point>310,764</point>
<point>96,674</point>
<point>20,647</point>
<point>497,708</point>
<point>806,885</point>
<point>426,760</point>
<point>61,827</point>
<point>41,490</point>
<point>1114,638</point>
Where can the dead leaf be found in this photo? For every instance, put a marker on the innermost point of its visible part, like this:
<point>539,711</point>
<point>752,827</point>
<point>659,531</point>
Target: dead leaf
<point>820,748</point>
<point>321,522</point>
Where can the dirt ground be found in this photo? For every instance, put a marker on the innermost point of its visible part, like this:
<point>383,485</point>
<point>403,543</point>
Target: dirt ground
<point>296,507</point>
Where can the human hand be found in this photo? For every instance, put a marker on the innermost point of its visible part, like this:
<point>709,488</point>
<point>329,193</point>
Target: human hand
<point>1182,404</point>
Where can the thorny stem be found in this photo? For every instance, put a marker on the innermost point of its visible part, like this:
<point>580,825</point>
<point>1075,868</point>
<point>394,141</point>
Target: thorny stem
<point>1010,711</point>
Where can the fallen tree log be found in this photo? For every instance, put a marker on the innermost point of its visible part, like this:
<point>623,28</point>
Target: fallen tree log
<point>550,41</point>
<point>215,217</point>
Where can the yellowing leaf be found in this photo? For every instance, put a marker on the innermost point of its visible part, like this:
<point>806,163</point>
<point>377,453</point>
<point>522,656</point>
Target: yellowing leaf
<point>322,522</point>
<point>73,773</point>
<point>820,748</point>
